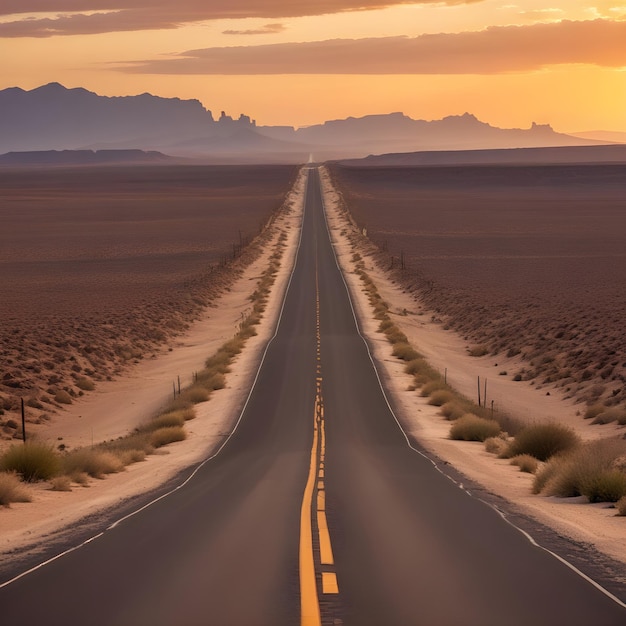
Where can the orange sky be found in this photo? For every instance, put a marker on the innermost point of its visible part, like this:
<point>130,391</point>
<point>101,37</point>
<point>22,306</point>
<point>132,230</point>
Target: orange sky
<point>298,62</point>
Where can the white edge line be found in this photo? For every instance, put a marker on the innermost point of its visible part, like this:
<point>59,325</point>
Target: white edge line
<point>501,513</point>
<point>210,458</point>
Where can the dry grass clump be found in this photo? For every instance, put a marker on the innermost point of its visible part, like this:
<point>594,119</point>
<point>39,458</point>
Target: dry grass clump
<point>12,489</point>
<point>211,380</point>
<point>610,414</point>
<point>405,352</point>
<point>61,483</point>
<point>233,347</point>
<point>33,461</point>
<point>454,409</point>
<point>434,385</point>
<point>182,414</point>
<point>195,394</point>
<point>395,336</point>
<point>62,397</point>
<point>478,351</point>
<point>134,446</point>
<point>526,463</point>
<point>473,428</point>
<point>92,461</point>
<point>496,445</point>
<point>386,323</point>
<point>175,418</point>
<point>171,434</point>
<point>86,384</point>
<point>440,397</point>
<point>543,441</point>
<point>593,410</point>
<point>421,371</point>
<point>219,362</point>
<point>594,469</point>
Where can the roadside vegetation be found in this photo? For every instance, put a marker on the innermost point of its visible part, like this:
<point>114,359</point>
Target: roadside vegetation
<point>35,461</point>
<point>561,463</point>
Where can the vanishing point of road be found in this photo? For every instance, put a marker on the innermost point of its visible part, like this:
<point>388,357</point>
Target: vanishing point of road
<point>316,511</point>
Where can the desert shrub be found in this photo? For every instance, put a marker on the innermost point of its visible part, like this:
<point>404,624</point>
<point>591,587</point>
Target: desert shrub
<point>12,489</point>
<point>196,394</point>
<point>170,434</point>
<point>432,386</point>
<point>179,403</point>
<point>178,417</point>
<point>32,461</point>
<point>604,486</point>
<point>593,410</point>
<point>91,461</point>
<point>385,324</point>
<point>417,366</point>
<point>132,455</point>
<point>246,331</point>
<point>440,397</point>
<point>34,403</point>
<point>80,478</point>
<point>478,351</point>
<point>395,335</point>
<point>546,474</point>
<point>218,362</point>
<point>137,441</point>
<point>175,418</point>
<point>62,397</point>
<point>621,505</point>
<point>61,483</point>
<point>405,352</point>
<point>543,441</point>
<point>473,428</point>
<point>453,410</point>
<point>212,380</point>
<point>232,347</point>
<point>495,445</point>
<point>86,384</point>
<point>591,470</point>
<point>611,414</point>
<point>526,463</point>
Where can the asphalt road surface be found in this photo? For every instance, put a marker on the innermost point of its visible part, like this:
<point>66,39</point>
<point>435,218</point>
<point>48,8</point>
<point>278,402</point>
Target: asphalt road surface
<point>315,511</point>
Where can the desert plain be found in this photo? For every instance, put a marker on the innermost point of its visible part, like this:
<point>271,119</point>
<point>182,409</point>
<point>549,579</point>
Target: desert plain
<point>102,265</point>
<point>518,259</point>
<point>431,301</point>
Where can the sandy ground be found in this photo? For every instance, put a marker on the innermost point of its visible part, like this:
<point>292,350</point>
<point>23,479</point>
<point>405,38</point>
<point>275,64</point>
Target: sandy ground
<point>120,405</point>
<point>116,407</point>
<point>596,524</point>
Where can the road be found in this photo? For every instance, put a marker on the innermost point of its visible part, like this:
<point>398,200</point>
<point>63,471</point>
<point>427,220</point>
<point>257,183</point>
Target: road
<point>315,511</point>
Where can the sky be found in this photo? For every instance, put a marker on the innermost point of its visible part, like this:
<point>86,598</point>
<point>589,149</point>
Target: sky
<point>301,62</point>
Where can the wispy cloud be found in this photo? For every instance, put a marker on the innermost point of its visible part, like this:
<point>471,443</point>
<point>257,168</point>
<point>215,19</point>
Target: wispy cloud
<point>492,51</point>
<point>79,17</point>
<point>268,29</point>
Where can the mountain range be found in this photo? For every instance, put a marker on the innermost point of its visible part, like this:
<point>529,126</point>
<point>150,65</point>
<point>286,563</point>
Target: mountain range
<point>53,117</point>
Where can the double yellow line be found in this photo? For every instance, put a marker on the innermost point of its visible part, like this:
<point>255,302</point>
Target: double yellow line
<point>309,598</point>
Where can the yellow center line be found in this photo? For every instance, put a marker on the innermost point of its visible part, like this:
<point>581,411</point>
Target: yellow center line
<point>310,614</point>
<point>326,551</point>
<point>329,583</point>
<point>309,603</point>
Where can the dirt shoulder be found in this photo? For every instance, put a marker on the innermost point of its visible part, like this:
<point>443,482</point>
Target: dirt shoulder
<point>118,406</point>
<point>595,524</point>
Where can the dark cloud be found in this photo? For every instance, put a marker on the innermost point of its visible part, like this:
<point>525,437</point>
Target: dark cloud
<point>494,50</point>
<point>268,29</point>
<point>125,15</point>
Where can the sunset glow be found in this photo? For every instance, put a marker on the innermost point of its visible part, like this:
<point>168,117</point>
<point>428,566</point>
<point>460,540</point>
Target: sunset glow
<point>301,62</point>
